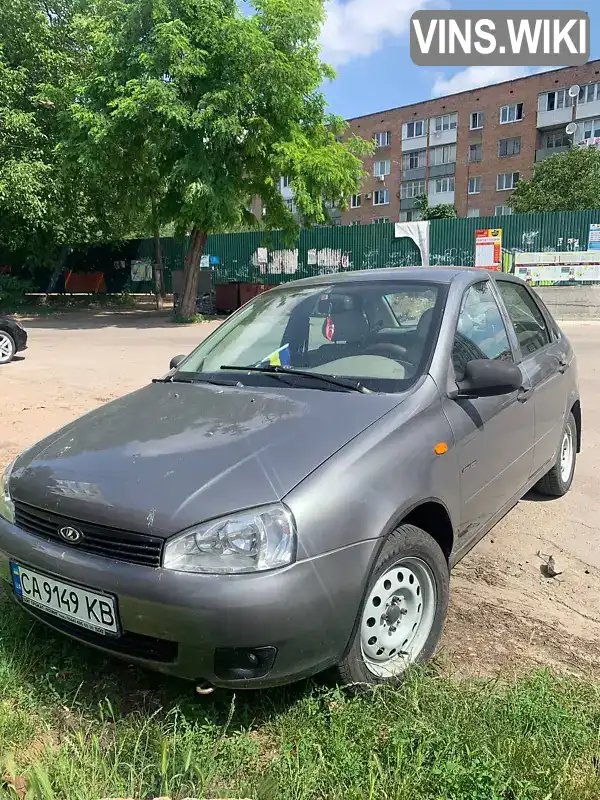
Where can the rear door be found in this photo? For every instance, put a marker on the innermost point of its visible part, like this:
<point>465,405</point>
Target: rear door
<point>545,357</point>
<point>494,435</point>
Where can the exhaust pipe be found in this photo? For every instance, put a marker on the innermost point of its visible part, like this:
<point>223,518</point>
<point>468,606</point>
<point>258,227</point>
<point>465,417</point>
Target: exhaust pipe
<point>204,688</point>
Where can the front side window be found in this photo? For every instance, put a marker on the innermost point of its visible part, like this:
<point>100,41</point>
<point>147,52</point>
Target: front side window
<point>526,317</point>
<point>344,330</point>
<point>480,332</point>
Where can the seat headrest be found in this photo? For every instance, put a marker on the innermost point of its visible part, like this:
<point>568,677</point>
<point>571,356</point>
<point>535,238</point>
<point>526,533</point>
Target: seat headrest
<point>335,304</point>
<point>424,323</point>
<point>348,326</point>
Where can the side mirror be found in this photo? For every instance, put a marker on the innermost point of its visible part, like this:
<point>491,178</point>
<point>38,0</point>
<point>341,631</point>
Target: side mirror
<point>487,378</point>
<point>176,361</point>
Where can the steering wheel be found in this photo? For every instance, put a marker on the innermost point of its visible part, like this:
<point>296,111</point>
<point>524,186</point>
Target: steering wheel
<point>389,350</point>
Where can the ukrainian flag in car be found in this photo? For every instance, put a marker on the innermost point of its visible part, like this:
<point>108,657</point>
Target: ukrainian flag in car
<point>279,358</point>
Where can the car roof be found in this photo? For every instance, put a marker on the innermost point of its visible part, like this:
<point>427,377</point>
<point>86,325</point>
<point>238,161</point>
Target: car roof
<point>443,275</point>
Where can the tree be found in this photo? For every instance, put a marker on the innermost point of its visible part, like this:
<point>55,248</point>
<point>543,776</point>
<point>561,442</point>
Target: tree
<point>441,211</point>
<point>208,107</point>
<point>46,203</point>
<point>565,182</point>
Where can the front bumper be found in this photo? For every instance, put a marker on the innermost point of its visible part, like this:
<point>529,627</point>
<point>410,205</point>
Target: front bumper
<point>175,622</point>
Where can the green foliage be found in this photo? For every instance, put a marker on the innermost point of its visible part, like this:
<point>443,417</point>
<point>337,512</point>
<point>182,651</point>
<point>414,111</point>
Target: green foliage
<point>565,182</point>
<point>80,726</point>
<point>13,292</point>
<point>441,211</point>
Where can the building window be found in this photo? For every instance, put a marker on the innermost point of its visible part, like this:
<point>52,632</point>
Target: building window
<point>443,155</point>
<point>290,205</point>
<point>414,160</point>
<point>503,211</point>
<point>381,197</point>
<point>589,93</point>
<point>380,220</point>
<point>474,185</point>
<point>509,147</point>
<point>355,222</point>
<point>355,201</point>
<point>442,185</point>
<point>285,182</point>
<point>507,180</point>
<point>557,139</point>
<point>383,139</point>
<point>414,129</point>
<point>512,113</point>
<point>473,212</point>
<point>475,152</point>
<point>477,118</point>
<point>551,101</point>
<point>591,128</point>
<point>412,189</point>
<point>410,216</point>
<point>447,122</point>
<point>381,168</point>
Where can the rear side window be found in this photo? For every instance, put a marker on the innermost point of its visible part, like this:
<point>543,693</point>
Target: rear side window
<point>481,332</point>
<point>526,317</point>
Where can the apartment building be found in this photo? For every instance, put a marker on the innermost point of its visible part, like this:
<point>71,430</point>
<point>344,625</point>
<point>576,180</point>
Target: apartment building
<point>470,149</point>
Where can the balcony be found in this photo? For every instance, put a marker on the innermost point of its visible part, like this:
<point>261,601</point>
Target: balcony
<point>440,198</point>
<point>548,152</point>
<point>416,143</point>
<point>588,110</point>
<point>552,119</point>
<point>409,203</point>
<point>417,174</point>
<point>441,170</point>
<point>437,138</point>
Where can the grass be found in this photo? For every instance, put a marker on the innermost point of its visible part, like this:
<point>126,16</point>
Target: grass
<point>74,725</point>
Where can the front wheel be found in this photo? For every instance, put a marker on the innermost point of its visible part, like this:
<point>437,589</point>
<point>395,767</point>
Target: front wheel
<point>403,615</point>
<point>557,482</point>
<point>8,347</point>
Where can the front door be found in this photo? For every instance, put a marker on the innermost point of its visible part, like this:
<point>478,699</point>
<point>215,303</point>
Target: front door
<point>494,435</point>
<point>545,359</point>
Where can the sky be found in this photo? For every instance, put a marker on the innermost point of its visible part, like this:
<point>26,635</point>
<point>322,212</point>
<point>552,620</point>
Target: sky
<point>367,41</point>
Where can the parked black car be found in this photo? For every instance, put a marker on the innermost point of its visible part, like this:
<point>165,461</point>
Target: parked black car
<point>13,339</point>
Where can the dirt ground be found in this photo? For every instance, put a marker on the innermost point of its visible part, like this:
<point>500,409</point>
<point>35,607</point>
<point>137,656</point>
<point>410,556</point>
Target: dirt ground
<point>503,612</point>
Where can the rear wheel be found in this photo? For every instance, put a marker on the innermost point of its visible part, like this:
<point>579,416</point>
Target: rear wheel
<point>558,480</point>
<point>403,615</point>
<point>8,347</point>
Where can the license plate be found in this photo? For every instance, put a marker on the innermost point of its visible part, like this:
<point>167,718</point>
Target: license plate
<point>96,612</point>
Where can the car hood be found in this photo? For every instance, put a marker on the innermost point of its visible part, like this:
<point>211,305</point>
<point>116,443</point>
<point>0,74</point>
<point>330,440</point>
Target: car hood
<point>171,455</point>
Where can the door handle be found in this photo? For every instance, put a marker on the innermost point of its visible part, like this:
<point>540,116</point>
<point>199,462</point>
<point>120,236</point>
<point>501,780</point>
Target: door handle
<point>563,366</point>
<point>524,394</point>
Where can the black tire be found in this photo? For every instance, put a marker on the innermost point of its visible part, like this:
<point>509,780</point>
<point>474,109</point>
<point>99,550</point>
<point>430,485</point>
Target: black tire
<point>7,339</point>
<point>407,541</point>
<point>553,484</point>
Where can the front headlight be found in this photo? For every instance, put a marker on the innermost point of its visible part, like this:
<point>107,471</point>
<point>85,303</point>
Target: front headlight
<point>7,508</point>
<point>248,541</point>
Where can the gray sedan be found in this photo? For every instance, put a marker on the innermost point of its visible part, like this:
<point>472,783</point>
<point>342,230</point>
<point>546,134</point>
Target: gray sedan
<point>292,495</point>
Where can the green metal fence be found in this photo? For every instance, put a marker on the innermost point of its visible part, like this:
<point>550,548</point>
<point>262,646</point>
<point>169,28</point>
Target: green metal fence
<point>258,257</point>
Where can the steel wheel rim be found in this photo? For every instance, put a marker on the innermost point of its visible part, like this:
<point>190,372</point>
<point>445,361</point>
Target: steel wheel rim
<point>398,617</point>
<point>566,454</point>
<point>6,348</point>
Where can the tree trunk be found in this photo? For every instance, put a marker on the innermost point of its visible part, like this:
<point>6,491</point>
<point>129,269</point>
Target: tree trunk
<point>158,274</point>
<point>187,301</point>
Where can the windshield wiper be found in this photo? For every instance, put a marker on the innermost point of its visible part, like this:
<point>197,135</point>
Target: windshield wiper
<point>272,369</point>
<point>204,379</point>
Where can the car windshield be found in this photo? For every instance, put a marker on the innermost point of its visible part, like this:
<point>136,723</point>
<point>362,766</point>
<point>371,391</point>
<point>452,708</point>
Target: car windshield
<point>379,334</point>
